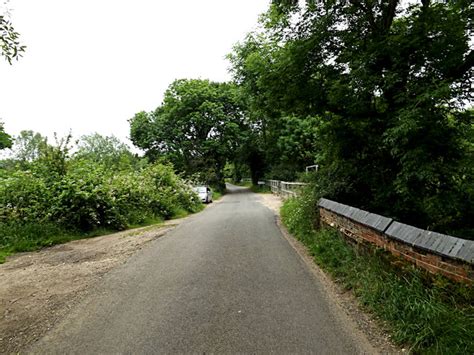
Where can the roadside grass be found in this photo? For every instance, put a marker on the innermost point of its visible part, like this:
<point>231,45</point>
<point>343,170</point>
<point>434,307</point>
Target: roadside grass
<point>34,236</point>
<point>154,221</point>
<point>217,195</point>
<point>15,238</point>
<point>426,314</point>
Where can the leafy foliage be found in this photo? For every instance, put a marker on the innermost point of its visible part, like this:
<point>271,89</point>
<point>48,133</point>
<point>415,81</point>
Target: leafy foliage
<point>375,94</point>
<point>9,40</point>
<point>27,146</point>
<point>63,195</point>
<point>107,151</point>
<point>198,128</point>
<point>5,139</point>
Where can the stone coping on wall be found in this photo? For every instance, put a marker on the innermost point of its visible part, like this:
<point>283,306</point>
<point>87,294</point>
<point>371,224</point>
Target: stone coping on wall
<point>372,220</point>
<point>441,244</point>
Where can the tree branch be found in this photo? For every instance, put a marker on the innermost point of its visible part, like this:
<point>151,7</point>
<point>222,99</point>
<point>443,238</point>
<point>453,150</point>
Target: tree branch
<point>388,13</point>
<point>367,11</point>
<point>458,72</point>
<point>425,3</point>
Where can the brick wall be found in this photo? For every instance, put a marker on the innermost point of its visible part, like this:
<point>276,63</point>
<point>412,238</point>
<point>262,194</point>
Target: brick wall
<point>434,252</point>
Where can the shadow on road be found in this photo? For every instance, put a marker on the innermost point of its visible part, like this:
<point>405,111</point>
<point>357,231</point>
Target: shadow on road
<point>234,189</point>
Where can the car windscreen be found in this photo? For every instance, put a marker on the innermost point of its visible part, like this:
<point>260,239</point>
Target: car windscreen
<point>200,189</point>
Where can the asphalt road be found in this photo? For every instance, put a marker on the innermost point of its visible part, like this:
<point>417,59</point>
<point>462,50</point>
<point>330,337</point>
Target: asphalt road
<point>224,281</point>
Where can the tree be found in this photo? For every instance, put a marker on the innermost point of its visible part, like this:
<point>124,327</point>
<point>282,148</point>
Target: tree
<point>107,151</point>
<point>198,127</point>
<point>28,145</point>
<point>5,139</point>
<point>9,39</point>
<point>384,88</point>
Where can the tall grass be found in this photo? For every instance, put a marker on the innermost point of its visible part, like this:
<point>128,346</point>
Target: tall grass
<point>427,315</point>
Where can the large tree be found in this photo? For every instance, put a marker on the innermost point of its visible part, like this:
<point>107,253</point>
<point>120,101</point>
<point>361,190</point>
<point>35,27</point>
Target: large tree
<point>107,151</point>
<point>198,127</point>
<point>28,145</point>
<point>382,87</point>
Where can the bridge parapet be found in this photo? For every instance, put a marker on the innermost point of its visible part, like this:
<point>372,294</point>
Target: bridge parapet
<point>438,253</point>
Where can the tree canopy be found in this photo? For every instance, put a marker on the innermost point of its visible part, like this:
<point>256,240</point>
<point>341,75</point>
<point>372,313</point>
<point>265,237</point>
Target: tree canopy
<point>108,151</point>
<point>198,127</point>
<point>372,91</point>
<point>376,93</point>
<point>28,145</point>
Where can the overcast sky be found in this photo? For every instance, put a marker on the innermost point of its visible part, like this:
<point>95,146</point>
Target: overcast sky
<point>91,65</point>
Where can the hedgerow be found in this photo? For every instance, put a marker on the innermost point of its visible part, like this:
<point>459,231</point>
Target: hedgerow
<point>43,205</point>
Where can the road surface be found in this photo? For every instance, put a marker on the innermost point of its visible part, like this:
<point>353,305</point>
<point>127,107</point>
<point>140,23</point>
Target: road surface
<point>224,281</point>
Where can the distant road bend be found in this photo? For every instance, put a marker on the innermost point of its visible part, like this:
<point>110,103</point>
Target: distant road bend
<point>224,281</point>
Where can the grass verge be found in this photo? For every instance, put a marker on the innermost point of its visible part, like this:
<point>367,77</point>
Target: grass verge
<point>217,195</point>
<point>425,314</point>
<point>15,238</point>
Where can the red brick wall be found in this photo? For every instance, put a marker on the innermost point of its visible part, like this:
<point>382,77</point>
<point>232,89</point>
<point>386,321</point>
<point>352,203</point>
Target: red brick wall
<point>435,264</point>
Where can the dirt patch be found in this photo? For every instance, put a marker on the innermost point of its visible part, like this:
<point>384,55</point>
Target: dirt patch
<point>37,289</point>
<point>372,328</point>
<point>271,201</point>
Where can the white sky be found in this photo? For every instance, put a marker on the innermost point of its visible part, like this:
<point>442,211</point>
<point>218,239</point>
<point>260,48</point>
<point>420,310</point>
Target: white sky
<point>91,65</point>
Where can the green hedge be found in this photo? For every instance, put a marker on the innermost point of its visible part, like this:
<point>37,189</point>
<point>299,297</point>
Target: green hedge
<point>36,210</point>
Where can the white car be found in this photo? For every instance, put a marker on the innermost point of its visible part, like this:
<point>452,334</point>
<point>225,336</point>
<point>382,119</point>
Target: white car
<point>204,193</point>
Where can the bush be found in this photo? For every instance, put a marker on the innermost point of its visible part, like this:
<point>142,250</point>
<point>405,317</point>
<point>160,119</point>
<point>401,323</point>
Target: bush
<point>36,210</point>
<point>23,197</point>
<point>82,199</point>
<point>300,214</point>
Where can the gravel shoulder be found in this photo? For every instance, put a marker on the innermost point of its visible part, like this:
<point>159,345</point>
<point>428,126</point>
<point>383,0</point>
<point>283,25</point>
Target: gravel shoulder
<point>37,289</point>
